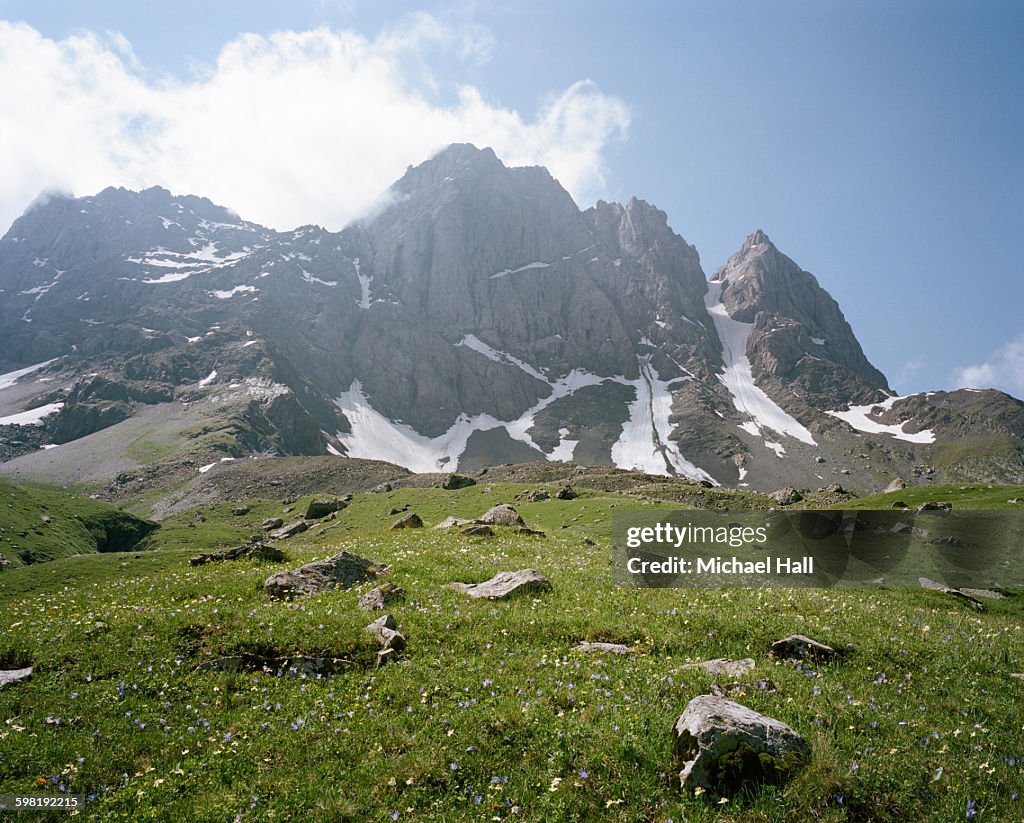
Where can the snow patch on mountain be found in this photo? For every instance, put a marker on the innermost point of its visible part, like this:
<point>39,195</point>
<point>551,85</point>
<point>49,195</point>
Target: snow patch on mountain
<point>32,416</point>
<point>738,378</point>
<point>859,417</point>
<point>645,442</point>
<point>12,377</point>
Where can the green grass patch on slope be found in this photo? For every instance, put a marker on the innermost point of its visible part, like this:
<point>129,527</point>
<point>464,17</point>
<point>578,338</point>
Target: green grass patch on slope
<point>39,524</point>
<point>962,496</point>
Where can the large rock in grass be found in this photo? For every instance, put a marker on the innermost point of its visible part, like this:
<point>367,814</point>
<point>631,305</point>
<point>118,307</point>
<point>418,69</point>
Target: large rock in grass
<point>292,529</point>
<point>339,572</point>
<point>321,508</point>
<point>504,584</point>
<point>410,521</point>
<point>502,515</point>
<point>457,481</point>
<point>724,747</point>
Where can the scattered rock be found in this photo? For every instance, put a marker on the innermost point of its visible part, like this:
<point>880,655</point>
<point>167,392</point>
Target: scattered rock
<point>906,528</point>
<point>566,493</point>
<point>799,647</point>
<point>457,481</point>
<point>898,504</point>
<point>321,508</point>
<point>946,541</point>
<point>5,563</point>
<point>385,631</point>
<point>1014,500</point>
<point>989,594</point>
<point>502,515</point>
<point>786,496</point>
<point>9,676</point>
<point>381,488</point>
<point>478,531</point>
<point>341,571</point>
<point>538,496</point>
<point>271,523</point>
<point>931,506</point>
<point>896,485</point>
<point>588,647</point>
<point>530,532</point>
<point>448,522</point>
<point>833,488</point>
<point>256,550</point>
<point>381,596</point>
<point>410,521</point>
<point>973,602</point>
<point>505,583</point>
<point>724,747</point>
<point>722,666</point>
<point>240,511</point>
<point>292,529</point>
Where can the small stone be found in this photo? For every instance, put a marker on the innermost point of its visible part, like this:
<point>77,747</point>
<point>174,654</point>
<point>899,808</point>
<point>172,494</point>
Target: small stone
<point>410,521</point>
<point>478,531</point>
<point>597,647</point>
<point>381,596</point>
<point>9,676</point>
<point>385,631</point>
<point>800,647</point>
<point>722,666</point>
<point>566,493</point>
<point>932,506</point>
<point>895,486</point>
<point>240,511</point>
<point>538,496</point>
<point>271,523</point>
<point>786,496</point>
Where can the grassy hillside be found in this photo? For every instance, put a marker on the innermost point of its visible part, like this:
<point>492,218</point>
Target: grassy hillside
<point>976,496</point>
<point>489,713</point>
<point>42,524</point>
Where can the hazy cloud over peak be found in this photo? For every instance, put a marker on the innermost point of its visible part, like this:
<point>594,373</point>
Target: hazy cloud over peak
<point>1004,370</point>
<point>291,128</point>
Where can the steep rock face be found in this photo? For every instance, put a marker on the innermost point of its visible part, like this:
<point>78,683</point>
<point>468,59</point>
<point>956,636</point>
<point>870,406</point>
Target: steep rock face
<point>800,338</point>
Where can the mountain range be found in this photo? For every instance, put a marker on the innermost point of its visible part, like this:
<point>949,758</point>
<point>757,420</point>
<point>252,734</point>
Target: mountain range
<point>477,318</point>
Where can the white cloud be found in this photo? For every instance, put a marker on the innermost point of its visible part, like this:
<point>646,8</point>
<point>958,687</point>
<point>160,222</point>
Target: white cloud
<point>1004,369</point>
<point>291,128</point>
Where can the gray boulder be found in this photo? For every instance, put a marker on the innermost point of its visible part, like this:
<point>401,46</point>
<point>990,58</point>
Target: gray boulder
<point>448,522</point>
<point>321,508</point>
<point>566,493</point>
<point>381,596</point>
<point>587,647</point>
<point>504,584</point>
<point>292,529</point>
<point>724,747</point>
<point>932,506</point>
<point>457,481</point>
<point>14,675</point>
<point>722,666</point>
<point>385,631</point>
<point>410,521</point>
<point>478,531</point>
<point>502,515</point>
<point>786,496</point>
<point>895,486</point>
<point>341,571</point>
<point>271,523</point>
<point>969,599</point>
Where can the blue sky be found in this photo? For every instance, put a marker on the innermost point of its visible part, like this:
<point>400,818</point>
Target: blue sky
<point>878,144</point>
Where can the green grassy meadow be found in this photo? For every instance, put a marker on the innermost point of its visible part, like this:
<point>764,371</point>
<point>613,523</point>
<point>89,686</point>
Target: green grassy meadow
<point>490,713</point>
